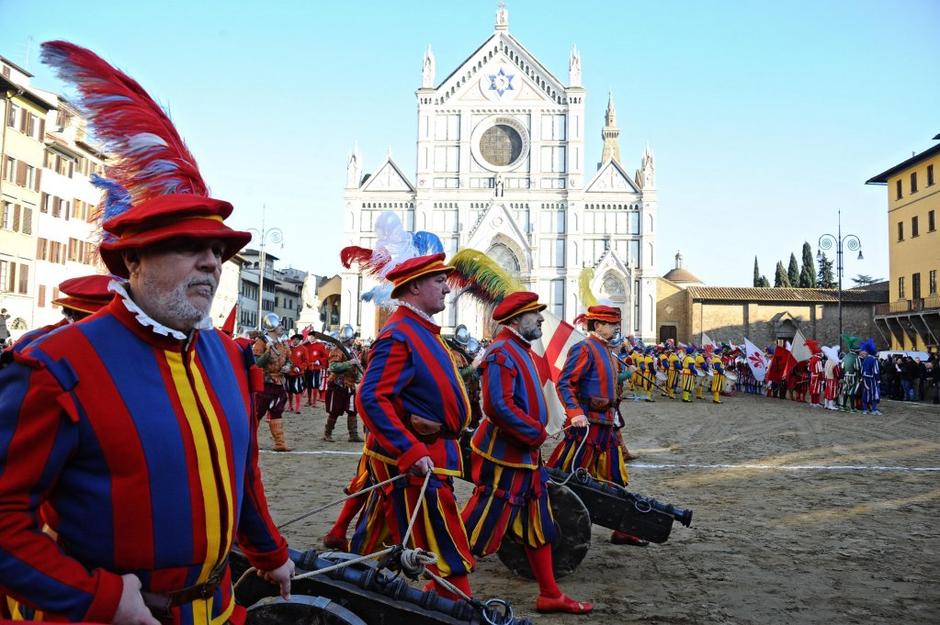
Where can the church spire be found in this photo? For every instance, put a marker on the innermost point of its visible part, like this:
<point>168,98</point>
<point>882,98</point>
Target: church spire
<point>427,69</point>
<point>610,134</point>
<point>574,67</point>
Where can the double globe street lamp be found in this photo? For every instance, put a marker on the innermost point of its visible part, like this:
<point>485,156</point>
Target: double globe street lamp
<point>264,236</point>
<point>849,241</point>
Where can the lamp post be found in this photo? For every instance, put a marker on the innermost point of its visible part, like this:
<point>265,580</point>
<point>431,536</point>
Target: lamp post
<point>265,236</point>
<point>850,241</point>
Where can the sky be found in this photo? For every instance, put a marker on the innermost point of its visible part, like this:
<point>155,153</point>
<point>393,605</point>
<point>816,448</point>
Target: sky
<point>765,118</point>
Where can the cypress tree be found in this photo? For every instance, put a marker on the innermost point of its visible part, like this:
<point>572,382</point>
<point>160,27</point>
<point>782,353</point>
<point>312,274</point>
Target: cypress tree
<point>780,276</point>
<point>757,275</point>
<point>808,267</point>
<point>826,278</point>
<point>793,271</point>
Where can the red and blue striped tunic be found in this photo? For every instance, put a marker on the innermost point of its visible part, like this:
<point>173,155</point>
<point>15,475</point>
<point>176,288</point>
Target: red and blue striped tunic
<point>412,372</point>
<point>589,371</point>
<point>515,409</point>
<point>144,448</point>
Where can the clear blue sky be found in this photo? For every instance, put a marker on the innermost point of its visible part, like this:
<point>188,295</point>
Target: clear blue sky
<point>764,117</point>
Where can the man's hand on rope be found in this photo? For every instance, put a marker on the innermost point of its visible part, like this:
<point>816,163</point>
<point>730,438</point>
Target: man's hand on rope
<point>280,576</point>
<point>131,609</point>
<point>422,466</point>
<point>579,421</point>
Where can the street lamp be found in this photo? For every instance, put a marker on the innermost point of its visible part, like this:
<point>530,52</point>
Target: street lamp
<point>850,241</point>
<point>265,235</point>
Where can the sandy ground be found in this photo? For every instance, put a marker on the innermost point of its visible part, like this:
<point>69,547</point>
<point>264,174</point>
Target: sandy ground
<point>801,515</point>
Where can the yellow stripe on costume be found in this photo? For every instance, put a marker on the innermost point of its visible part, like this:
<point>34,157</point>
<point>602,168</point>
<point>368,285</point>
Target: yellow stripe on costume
<point>206,468</point>
<point>221,456</point>
<point>486,509</point>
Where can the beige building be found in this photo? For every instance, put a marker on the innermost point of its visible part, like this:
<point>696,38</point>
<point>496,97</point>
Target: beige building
<point>22,152</point>
<point>687,310</point>
<point>911,317</point>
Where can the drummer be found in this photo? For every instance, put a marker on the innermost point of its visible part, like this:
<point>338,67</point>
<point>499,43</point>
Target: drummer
<point>511,496</point>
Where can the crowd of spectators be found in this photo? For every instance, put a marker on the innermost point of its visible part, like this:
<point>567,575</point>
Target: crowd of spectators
<point>908,379</point>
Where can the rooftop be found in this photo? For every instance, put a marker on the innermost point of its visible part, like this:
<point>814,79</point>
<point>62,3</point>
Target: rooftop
<point>872,295</point>
<point>882,178</point>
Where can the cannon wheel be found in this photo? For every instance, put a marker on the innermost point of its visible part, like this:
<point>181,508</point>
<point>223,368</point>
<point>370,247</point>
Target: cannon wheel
<point>574,536</point>
<point>301,609</point>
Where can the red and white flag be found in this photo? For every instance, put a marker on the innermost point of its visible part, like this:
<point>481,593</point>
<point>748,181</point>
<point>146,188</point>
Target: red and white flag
<point>557,338</point>
<point>756,360</point>
<point>800,349</point>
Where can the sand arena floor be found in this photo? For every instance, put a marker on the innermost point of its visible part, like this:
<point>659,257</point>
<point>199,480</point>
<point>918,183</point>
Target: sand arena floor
<point>801,515</point>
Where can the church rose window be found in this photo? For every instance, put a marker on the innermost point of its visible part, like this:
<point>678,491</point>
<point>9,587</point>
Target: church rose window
<point>501,145</point>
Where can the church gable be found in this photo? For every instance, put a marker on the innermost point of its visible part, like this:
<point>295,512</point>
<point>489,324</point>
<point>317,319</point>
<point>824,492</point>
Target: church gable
<point>388,178</point>
<point>501,70</point>
<point>611,178</point>
<point>496,219</point>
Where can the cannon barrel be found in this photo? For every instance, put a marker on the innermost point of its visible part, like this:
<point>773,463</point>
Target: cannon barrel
<point>618,509</point>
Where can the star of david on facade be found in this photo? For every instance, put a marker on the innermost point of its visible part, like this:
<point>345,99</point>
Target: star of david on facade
<point>501,82</point>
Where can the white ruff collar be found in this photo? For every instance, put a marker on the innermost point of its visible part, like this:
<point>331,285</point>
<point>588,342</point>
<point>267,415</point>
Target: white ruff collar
<point>517,333</point>
<point>417,311</point>
<point>149,322</point>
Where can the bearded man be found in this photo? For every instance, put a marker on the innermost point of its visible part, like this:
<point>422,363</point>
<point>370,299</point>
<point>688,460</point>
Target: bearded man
<point>134,426</point>
<point>511,494</point>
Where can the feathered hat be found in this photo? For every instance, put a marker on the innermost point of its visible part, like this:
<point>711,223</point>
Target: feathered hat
<point>168,197</point>
<point>813,346</point>
<point>868,345</point>
<point>480,276</point>
<point>851,342</point>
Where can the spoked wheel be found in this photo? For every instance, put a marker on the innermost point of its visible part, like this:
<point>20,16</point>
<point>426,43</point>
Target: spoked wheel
<point>574,536</point>
<point>300,610</point>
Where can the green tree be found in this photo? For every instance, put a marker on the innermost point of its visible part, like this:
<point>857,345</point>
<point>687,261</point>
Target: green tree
<point>780,276</point>
<point>808,271</point>
<point>863,279</point>
<point>826,278</point>
<point>764,282</point>
<point>793,271</point>
<point>757,275</point>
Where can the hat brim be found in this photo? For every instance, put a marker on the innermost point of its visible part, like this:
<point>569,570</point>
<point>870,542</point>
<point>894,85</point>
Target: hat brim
<point>112,251</point>
<point>81,304</point>
<point>533,307</point>
<point>423,274</point>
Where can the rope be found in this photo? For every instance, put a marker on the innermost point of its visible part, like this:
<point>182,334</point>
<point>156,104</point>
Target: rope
<point>574,461</point>
<point>414,515</point>
<point>339,501</point>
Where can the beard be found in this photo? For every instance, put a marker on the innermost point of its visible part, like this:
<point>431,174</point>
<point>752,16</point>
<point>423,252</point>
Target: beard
<point>531,333</point>
<point>174,308</point>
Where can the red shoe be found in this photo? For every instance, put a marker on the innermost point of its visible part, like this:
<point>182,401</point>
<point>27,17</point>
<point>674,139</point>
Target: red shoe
<point>334,542</point>
<point>622,538</point>
<point>562,603</point>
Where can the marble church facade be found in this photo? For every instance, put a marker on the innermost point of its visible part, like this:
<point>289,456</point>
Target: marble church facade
<point>503,166</point>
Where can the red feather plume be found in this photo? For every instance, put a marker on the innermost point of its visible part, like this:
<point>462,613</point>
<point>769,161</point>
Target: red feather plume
<point>151,158</point>
<point>367,259</point>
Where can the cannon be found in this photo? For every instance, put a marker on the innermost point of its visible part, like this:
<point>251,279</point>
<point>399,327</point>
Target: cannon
<point>363,592</point>
<point>579,501</point>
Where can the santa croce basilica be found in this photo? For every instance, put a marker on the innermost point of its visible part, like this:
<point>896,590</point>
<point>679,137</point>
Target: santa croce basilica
<point>502,167</point>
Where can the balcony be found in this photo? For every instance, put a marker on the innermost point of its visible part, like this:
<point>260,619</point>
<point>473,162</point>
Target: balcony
<point>930,303</point>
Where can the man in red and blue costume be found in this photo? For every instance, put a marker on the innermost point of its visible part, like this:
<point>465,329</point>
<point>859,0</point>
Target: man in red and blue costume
<point>587,387</point>
<point>133,427</point>
<point>415,407</point>
<point>511,494</point>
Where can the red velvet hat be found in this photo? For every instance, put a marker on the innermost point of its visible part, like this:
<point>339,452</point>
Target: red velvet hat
<point>515,304</point>
<point>178,215</point>
<point>414,268</point>
<point>607,314</point>
<point>85,294</point>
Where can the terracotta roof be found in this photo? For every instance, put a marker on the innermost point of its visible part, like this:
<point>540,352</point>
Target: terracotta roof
<point>681,275</point>
<point>789,295</point>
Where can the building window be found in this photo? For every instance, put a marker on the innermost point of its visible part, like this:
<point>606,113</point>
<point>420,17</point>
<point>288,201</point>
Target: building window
<point>914,182</point>
<point>24,279</point>
<point>9,169</point>
<point>929,175</point>
<point>932,278</point>
<point>915,286</point>
<point>42,249</point>
<point>41,296</point>
<point>11,117</point>
<point>901,287</point>
<point>931,221</point>
<point>915,228</point>
<point>900,231</point>
<point>897,188</point>
<point>4,275</point>
<point>558,298</point>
